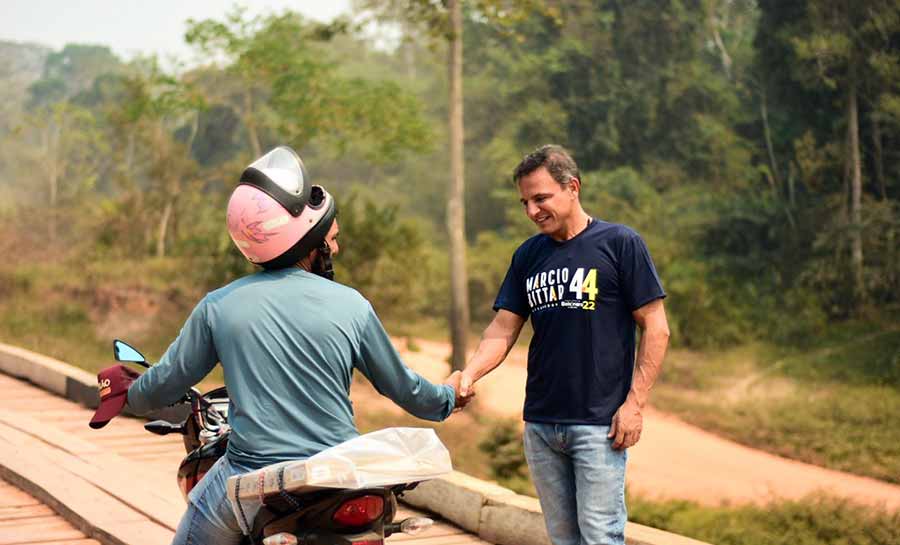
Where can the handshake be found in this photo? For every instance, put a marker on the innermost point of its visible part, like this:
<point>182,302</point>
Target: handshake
<point>464,387</point>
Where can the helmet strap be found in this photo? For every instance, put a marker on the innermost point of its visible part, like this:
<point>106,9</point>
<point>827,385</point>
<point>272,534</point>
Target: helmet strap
<point>322,265</point>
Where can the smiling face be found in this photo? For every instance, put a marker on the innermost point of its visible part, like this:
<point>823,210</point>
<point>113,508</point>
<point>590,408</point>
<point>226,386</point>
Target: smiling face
<point>550,205</point>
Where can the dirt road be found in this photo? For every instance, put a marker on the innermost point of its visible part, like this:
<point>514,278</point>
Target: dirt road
<point>675,459</point>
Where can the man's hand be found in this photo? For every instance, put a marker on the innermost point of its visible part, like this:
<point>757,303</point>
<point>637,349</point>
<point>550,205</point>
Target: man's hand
<point>455,380</point>
<point>626,425</point>
<point>466,385</point>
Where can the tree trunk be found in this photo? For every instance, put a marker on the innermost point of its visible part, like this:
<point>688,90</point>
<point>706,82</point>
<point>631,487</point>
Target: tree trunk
<point>855,193</point>
<point>51,181</point>
<point>251,124</point>
<point>764,112</point>
<point>52,144</point>
<point>195,127</point>
<point>720,44</point>
<point>409,53</point>
<point>879,157</point>
<point>163,227</point>
<point>459,285</point>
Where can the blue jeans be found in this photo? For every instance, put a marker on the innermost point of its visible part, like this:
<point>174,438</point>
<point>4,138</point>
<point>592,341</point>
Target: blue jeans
<point>580,481</point>
<point>209,518</point>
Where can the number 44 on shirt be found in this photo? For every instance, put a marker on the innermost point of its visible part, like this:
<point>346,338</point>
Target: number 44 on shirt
<point>582,284</point>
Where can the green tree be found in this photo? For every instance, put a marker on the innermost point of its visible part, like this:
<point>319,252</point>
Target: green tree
<point>60,161</point>
<point>833,69</point>
<point>285,86</point>
<point>443,22</point>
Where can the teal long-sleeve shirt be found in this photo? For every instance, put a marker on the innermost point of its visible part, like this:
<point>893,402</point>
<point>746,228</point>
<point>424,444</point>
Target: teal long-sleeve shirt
<point>288,342</point>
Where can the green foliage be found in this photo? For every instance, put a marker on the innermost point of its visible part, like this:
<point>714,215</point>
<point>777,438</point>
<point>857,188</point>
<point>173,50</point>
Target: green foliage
<point>488,260</point>
<point>503,445</point>
<point>286,86</point>
<point>385,257</point>
<point>71,71</point>
<point>812,521</point>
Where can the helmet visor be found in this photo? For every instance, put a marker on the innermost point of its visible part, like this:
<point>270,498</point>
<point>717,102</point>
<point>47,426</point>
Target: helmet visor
<point>281,174</point>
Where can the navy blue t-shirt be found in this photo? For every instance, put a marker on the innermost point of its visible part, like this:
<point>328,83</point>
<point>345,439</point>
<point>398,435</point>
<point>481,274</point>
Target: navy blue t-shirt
<point>580,294</point>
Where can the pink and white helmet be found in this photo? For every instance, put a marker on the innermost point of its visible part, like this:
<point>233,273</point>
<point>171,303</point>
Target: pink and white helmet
<point>275,217</point>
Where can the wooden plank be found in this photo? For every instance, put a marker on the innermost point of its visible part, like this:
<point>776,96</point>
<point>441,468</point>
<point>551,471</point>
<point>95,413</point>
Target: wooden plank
<point>13,497</point>
<point>48,518</point>
<point>24,511</point>
<point>84,541</point>
<point>75,486</point>
<point>74,412</point>
<point>132,438</point>
<point>43,530</point>
<point>444,530</point>
<point>42,404</point>
<point>426,539</point>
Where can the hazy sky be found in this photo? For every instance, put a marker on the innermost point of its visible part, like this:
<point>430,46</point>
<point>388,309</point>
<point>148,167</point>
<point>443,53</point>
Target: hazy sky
<point>132,26</point>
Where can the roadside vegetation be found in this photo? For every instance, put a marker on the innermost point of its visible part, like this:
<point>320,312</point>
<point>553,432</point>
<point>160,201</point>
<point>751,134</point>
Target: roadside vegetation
<point>812,521</point>
<point>753,144</point>
<point>833,403</point>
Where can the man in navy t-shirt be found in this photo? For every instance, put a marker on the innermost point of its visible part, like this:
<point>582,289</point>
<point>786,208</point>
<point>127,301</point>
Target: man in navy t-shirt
<point>585,283</point>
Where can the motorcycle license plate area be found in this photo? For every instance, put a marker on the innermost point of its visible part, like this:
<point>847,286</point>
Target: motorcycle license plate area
<point>386,457</point>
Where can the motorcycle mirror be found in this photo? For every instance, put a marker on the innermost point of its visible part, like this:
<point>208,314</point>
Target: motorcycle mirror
<point>161,427</point>
<point>125,352</point>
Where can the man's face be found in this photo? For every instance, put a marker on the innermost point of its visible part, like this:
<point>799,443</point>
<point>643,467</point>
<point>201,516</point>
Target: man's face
<point>332,237</point>
<point>548,203</point>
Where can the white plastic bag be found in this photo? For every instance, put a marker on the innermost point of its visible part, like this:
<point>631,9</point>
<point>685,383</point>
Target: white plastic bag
<point>382,458</point>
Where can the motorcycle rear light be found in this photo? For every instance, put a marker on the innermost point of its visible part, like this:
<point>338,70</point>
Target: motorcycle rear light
<point>359,512</point>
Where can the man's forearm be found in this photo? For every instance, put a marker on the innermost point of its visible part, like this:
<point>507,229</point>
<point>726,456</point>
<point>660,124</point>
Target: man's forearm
<point>651,352</point>
<point>490,353</point>
<point>496,342</point>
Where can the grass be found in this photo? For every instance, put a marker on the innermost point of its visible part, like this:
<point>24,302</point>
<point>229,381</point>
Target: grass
<point>811,521</point>
<point>835,405</point>
<point>73,312</point>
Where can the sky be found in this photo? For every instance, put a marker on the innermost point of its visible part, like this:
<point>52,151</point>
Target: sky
<point>134,26</point>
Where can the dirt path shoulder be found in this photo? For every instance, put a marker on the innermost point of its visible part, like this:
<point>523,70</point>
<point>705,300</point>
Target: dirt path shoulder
<point>675,459</point>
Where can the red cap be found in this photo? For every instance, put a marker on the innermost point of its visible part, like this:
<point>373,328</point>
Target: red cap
<point>113,383</point>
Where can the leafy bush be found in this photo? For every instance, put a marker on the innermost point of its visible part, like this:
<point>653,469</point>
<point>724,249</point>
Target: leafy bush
<point>503,447</point>
<point>814,520</point>
<point>387,259</point>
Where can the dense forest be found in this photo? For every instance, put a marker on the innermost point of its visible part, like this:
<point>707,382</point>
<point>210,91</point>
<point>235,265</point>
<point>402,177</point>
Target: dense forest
<point>753,144</point>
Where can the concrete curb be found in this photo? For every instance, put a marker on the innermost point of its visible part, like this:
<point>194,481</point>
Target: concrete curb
<point>494,513</point>
<point>501,516</point>
<point>67,381</point>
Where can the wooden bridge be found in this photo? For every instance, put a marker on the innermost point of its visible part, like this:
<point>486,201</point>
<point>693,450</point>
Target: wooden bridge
<point>114,485</point>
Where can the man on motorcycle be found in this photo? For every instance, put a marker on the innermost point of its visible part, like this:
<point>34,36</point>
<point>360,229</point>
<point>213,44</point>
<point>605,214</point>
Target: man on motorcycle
<point>288,339</point>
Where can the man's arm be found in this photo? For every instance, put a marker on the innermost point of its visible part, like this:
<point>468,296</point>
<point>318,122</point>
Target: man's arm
<point>379,361</point>
<point>188,359</point>
<point>628,421</point>
<point>496,341</point>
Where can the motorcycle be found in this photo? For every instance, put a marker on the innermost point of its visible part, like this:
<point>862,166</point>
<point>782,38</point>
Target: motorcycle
<point>308,516</point>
